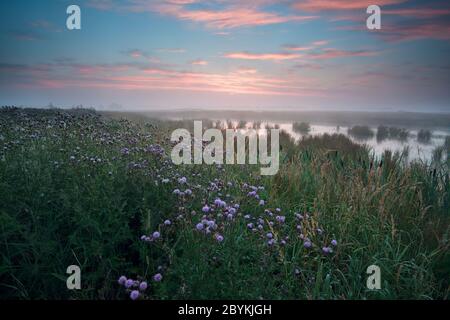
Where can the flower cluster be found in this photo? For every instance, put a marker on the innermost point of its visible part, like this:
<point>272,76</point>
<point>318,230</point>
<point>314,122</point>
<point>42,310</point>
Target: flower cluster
<point>155,149</point>
<point>134,288</point>
<point>154,236</point>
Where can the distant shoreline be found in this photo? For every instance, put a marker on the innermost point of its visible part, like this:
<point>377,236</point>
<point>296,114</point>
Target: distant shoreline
<point>341,118</point>
<point>405,119</point>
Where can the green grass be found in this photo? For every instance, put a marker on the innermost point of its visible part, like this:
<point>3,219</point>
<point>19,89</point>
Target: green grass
<point>70,194</point>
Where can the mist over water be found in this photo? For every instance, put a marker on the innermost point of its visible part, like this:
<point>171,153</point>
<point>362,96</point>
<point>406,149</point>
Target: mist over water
<point>366,128</point>
<point>414,149</point>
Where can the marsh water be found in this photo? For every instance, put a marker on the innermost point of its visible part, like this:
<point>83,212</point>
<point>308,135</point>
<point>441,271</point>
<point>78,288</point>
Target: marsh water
<point>415,150</point>
<point>404,136</point>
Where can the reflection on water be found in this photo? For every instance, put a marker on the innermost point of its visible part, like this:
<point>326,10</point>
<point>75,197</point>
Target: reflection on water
<point>396,139</point>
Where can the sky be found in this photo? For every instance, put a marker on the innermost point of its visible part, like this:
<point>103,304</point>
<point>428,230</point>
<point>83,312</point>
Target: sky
<point>232,54</point>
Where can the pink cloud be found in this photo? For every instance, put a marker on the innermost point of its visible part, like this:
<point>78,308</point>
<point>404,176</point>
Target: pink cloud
<point>199,62</point>
<point>335,53</point>
<point>244,70</point>
<point>229,17</point>
<point>320,43</point>
<point>297,48</point>
<point>136,53</point>
<point>139,54</point>
<point>312,46</point>
<point>262,56</point>
<point>243,81</point>
<point>232,14</point>
<point>328,5</point>
<point>235,83</point>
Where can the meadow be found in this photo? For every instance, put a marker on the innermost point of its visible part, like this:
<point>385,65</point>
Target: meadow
<point>99,191</point>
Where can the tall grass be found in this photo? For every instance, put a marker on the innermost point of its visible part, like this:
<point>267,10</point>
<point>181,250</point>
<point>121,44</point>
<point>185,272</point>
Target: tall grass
<point>79,188</point>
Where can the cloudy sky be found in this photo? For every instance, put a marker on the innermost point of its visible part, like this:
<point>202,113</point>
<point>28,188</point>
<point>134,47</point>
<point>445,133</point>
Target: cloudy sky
<point>305,54</point>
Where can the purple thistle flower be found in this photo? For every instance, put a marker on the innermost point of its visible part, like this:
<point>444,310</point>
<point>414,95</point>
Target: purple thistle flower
<point>143,286</point>
<point>269,235</point>
<point>250,225</point>
<point>199,226</point>
<point>167,222</point>
<point>219,238</point>
<point>122,280</point>
<point>157,277</point>
<point>251,194</point>
<point>211,224</point>
<point>205,209</point>
<point>261,202</point>
<point>299,216</point>
<point>280,219</point>
<point>156,235</point>
<point>134,294</point>
<point>129,283</point>
<point>271,242</point>
<point>307,244</point>
<point>326,250</point>
<point>334,243</point>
